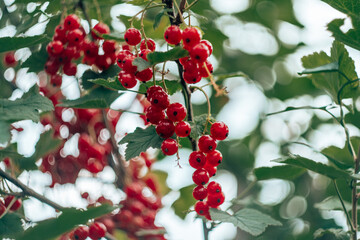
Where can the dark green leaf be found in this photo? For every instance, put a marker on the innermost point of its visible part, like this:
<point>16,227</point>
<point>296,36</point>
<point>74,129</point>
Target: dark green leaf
<point>286,172</point>
<point>6,88</point>
<point>111,72</point>
<point>68,219</point>
<point>27,107</point>
<point>141,64</point>
<point>10,225</point>
<point>317,167</point>
<point>247,219</point>
<point>36,61</point>
<point>350,38</point>
<point>114,36</point>
<point>349,7</point>
<point>182,205</point>
<point>158,18</point>
<point>171,55</point>
<point>111,83</point>
<point>14,43</point>
<point>4,132</point>
<point>332,203</point>
<point>140,140</point>
<point>331,234</point>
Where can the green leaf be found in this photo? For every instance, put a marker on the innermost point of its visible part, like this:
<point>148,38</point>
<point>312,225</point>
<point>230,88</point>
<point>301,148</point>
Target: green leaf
<point>158,17</point>
<point>4,132</point>
<point>88,75</point>
<point>332,203</point>
<point>182,205</point>
<point>138,2</point>
<point>14,43</point>
<point>317,167</point>
<point>331,81</point>
<point>97,98</point>
<point>161,177</point>
<point>349,7</point>
<point>141,64</point>
<point>286,172</point>
<point>172,86</point>
<point>68,219</point>
<point>350,38</point>
<point>247,219</point>
<point>111,83</point>
<point>171,55</point>
<point>36,61</point>
<point>331,234</point>
<point>140,140</point>
<point>10,225</point>
<point>27,107</point>
<point>114,36</point>
<point>6,88</point>
<point>198,125</point>
<point>331,67</point>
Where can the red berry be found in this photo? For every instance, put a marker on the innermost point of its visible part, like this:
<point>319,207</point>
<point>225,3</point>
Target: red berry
<point>191,67</point>
<point>208,44</point>
<point>215,200</point>
<point>169,146</point>
<point>165,128</point>
<point>173,35</point>
<point>71,22</point>
<point>9,59</point>
<point>219,130</point>
<point>202,70</point>
<point>75,37</point>
<point>200,192</point>
<point>109,46</point>
<point>81,233</point>
<point>184,60</point>
<point>176,112</point>
<point>207,144</point>
<point>60,31</point>
<point>90,49</point>
<point>151,90</point>
<point>160,99</point>
<point>127,79</point>
<point>2,209</point>
<point>94,166</point>
<point>121,56</point>
<point>210,169</point>
<point>191,36</point>
<point>191,78</point>
<point>154,114</point>
<point>85,195</point>
<point>100,29</point>
<point>197,159</point>
<point>214,188</point>
<point>97,230</point>
<point>51,66</point>
<point>136,207</point>
<point>16,205</point>
<point>56,80</point>
<point>70,69</point>
<point>150,44</point>
<point>145,75</point>
<point>128,64</point>
<point>132,36</point>
<point>214,158</point>
<point>54,48</point>
<point>182,129</point>
<point>70,53</point>
<point>124,216</point>
<point>143,54</point>
<point>201,208</point>
<point>200,177</point>
<point>199,53</point>
<point>133,190</point>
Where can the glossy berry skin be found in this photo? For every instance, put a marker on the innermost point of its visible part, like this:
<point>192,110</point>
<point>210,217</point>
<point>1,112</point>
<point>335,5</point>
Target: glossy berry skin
<point>150,44</point>
<point>54,48</point>
<point>190,36</point>
<point>160,99</point>
<point>191,78</point>
<point>169,146</point>
<point>208,44</point>
<point>153,89</point>
<point>207,143</point>
<point>205,72</point>
<point>81,233</point>
<point>173,35</point>
<point>199,53</point>
<point>210,169</point>
<point>219,131</point>
<point>200,177</point>
<point>165,128</point>
<point>145,75</point>
<point>127,80</point>
<point>9,59</point>
<point>176,112</point>
<point>214,158</point>
<point>191,67</point>
<point>70,69</point>
<point>215,200</point>
<point>71,22</point>
<point>56,80</point>
<point>75,37</point>
<point>100,28</point>
<point>201,208</point>
<point>197,159</point>
<point>127,64</point>
<point>154,114</point>
<point>97,230</point>
<point>182,129</point>
<point>214,188</point>
<point>51,66</point>
<point>143,54</point>
<point>109,46</point>
<point>200,193</point>
<point>132,36</point>
<point>121,56</point>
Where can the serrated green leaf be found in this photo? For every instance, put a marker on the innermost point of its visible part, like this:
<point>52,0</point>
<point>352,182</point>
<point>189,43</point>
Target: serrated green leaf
<point>349,7</point>
<point>14,43</point>
<point>10,225</point>
<point>182,205</point>
<point>331,234</point>
<point>171,55</point>
<point>26,107</point>
<point>317,167</point>
<point>350,38</point>
<point>198,125</point>
<point>286,172</point>
<point>111,83</point>
<point>111,72</point>
<point>97,98</point>
<point>37,60</point>
<point>68,219</point>
<point>140,140</point>
<point>141,64</point>
<point>332,203</point>
<point>247,219</point>
<point>4,132</point>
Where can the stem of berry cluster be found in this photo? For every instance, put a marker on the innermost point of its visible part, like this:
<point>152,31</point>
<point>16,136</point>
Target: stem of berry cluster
<point>28,191</point>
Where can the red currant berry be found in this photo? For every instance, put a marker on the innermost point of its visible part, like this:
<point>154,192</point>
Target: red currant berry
<point>197,159</point>
<point>109,46</point>
<point>184,60</point>
<point>104,61</point>
<point>51,66</point>
<point>81,233</point>
<point>208,44</point>
<point>2,209</point>
<point>203,72</point>
<point>200,192</point>
<point>191,36</point>
<point>176,112</point>
<point>71,53</point>
<point>75,37</point>
<point>133,190</point>
<point>201,208</point>
<point>219,131</point>
<point>94,166</point>
<point>154,114</point>
<point>132,36</point>
<point>16,205</point>
<point>173,35</point>
<point>136,207</point>
<point>207,144</point>
<point>210,169</point>
<point>85,195</point>
<point>145,75</point>
<point>127,80</point>
<point>121,56</point>
<point>160,99</point>
<point>153,89</point>
<point>150,44</point>
<point>71,22</point>
<point>90,49</point>
<point>54,48</point>
<point>70,69</point>
<point>214,188</point>
<point>169,146</point>
<point>127,64</point>
<point>56,80</point>
<point>191,78</point>
<point>199,53</point>
<point>182,129</point>
<point>191,67</point>
<point>97,230</point>
<point>60,31</point>
<point>215,200</point>
<point>200,177</point>
<point>9,59</point>
<point>214,158</point>
<point>165,128</point>
<point>100,29</point>
<point>143,54</point>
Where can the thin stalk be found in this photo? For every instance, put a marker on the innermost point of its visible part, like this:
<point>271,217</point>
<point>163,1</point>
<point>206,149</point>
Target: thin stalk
<point>343,206</point>
<point>206,230</point>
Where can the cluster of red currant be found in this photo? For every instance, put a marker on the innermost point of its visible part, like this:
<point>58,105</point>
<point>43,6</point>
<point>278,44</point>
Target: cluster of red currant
<point>70,41</point>
<point>9,202</point>
<point>125,58</point>
<point>205,161</point>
